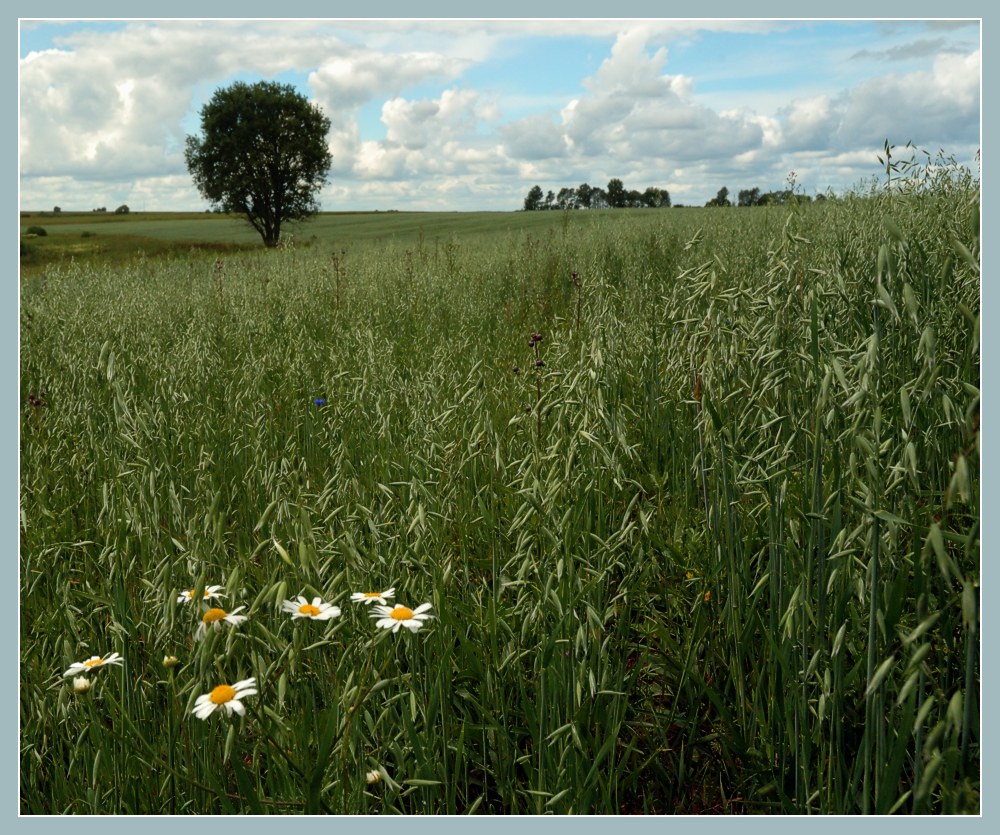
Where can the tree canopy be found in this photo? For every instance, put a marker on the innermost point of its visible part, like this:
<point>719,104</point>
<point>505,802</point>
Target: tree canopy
<point>721,198</point>
<point>586,196</point>
<point>617,196</point>
<point>262,154</point>
<point>533,202</point>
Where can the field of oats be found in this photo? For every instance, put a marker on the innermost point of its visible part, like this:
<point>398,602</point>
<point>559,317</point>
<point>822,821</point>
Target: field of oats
<point>663,512</point>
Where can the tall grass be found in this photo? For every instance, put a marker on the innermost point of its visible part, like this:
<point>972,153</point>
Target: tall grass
<point>710,544</point>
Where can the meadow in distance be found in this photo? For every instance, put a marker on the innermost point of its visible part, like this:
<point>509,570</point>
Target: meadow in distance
<point>682,507</point>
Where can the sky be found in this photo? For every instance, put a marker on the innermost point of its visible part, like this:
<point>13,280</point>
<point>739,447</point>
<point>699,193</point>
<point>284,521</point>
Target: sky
<point>442,115</point>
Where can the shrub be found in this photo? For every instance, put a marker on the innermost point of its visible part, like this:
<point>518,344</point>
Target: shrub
<point>122,210</point>
<point>87,234</point>
<point>37,230</point>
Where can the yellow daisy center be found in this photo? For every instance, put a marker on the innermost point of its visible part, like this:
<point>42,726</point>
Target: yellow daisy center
<point>214,615</point>
<point>93,662</point>
<point>222,694</point>
<point>308,609</point>
<point>373,594</point>
<point>401,613</point>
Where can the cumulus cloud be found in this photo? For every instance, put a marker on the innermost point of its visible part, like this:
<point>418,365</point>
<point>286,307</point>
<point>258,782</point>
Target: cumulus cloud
<point>113,104</point>
<point>939,106</point>
<point>535,138</point>
<point>631,112</point>
<point>107,112</point>
<point>630,69</point>
<point>430,137</point>
<point>139,193</point>
<point>351,80</point>
<point>415,124</point>
<point>808,124</point>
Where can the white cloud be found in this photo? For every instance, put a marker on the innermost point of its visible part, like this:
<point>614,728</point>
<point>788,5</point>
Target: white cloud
<point>415,124</point>
<point>107,112</point>
<point>429,137</point>
<point>408,123</point>
<point>535,138</point>
<point>375,160</point>
<point>632,113</point>
<point>348,81</point>
<point>140,193</point>
<point>630,69</point>
<point>932,107</point>
<point>809,123</point>
<point>343,140</point>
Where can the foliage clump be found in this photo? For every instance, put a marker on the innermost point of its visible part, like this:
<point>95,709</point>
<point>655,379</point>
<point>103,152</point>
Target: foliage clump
<point>262,153</point>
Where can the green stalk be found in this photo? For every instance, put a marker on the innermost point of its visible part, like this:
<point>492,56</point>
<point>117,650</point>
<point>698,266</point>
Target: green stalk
<point>871,717</point>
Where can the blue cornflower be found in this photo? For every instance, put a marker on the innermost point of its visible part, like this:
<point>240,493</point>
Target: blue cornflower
<point>319,401</point>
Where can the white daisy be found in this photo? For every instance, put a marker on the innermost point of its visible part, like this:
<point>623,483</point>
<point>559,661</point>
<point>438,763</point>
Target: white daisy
<point>214,617</point>
<point>93,663</point>
<point>399,615</point>
<point>317,610</point>
<point>225,696</point>
<point>81,684</point>
<point>367,597</point>
<point>210,591</point>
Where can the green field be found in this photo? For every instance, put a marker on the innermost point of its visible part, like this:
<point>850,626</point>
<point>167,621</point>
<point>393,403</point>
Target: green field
<point>120,238</point>
<point>693,496</point>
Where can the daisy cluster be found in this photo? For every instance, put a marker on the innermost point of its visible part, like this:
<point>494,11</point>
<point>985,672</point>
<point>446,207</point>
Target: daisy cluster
<point>227,697</point>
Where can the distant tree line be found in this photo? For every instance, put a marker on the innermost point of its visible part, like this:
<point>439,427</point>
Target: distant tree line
<point>586,196</point>
<point>616,196</point>
<point>754,197</point>
<point>123,209</point>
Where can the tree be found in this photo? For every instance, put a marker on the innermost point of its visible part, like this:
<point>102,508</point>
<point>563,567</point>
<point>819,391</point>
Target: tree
<point>262,154</point>
<point>616,194</point>
<point>749,197</point>
<point>721,198</point>
<point>657,198</point>
<point>775,198</point>
<point>533,202</point>
<point>566,198</point>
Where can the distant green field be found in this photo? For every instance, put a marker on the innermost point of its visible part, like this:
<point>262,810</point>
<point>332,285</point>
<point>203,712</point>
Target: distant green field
<point>334,226</point>
<point>117,238</point>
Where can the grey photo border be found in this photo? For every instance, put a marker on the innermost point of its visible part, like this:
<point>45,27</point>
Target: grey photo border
<point>552,9</point>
